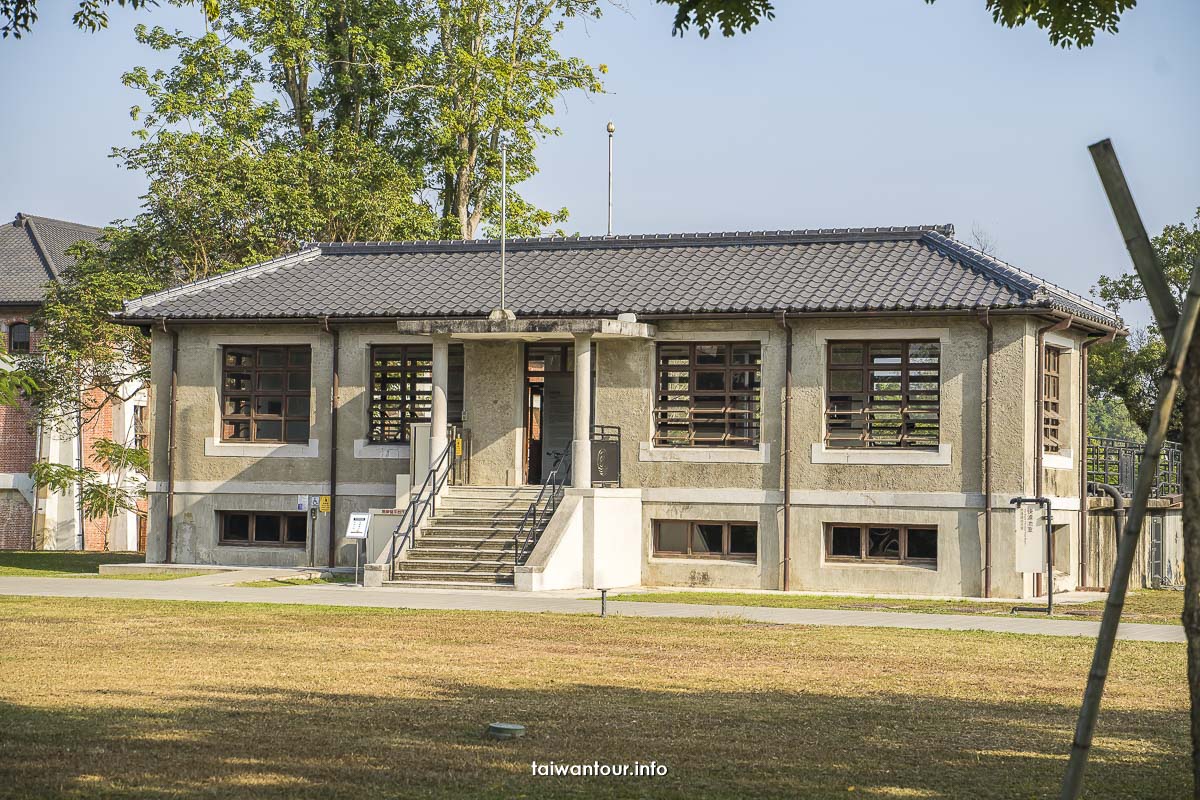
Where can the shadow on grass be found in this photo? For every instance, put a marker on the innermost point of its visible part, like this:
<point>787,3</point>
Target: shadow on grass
<point>271,743</point>
<point>15,563</point>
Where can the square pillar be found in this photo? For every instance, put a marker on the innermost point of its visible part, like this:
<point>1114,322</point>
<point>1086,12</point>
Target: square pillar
<point>581,457</point>
<point>441,383</point>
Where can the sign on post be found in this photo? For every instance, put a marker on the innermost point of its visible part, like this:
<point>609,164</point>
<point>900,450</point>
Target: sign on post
<point>1031,539</point>
<point>357,527</point>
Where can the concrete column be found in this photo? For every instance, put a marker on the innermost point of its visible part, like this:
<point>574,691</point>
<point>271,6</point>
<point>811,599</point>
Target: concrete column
<point>441,383</point>
<point>581,458</point>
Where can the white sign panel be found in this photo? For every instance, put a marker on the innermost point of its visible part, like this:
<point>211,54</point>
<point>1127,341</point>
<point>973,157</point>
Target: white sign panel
<point>1031,538</point>
<point>358,525</point>
<point>302,502</point>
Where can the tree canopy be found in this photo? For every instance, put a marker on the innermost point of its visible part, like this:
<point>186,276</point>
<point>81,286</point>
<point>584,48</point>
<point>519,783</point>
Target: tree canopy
<point>1068,24</point>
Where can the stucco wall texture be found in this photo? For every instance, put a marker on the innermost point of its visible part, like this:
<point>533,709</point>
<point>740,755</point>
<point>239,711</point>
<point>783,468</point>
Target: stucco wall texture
<point>949,495</point>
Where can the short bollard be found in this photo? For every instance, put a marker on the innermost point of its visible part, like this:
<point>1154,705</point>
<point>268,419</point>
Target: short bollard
<point>604,602</point>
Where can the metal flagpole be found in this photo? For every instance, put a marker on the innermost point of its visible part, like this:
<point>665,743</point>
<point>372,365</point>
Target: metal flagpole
<point>503,213</point>
<point>611,129</point>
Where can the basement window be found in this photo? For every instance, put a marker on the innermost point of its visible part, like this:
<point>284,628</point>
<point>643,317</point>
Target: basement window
<point>905,544</point>
<point>265,394</point>
<point>267,528</point>
<point>1051,400</point>
<point>725,540</point>
<point>708,394</point>
<point>883,394</point>
<point>402,390</point>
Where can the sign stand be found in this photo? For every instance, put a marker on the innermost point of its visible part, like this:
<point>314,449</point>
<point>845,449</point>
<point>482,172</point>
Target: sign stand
<point>1044,502</point>
<point>356,530</point>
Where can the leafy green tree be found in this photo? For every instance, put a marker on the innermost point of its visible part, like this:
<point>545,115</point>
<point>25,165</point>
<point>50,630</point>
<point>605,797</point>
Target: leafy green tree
<point>1128,369</point>
<point>1108,418</point>
<point>17,17</point>
<point>14,383</point>
<point>1069,24</point>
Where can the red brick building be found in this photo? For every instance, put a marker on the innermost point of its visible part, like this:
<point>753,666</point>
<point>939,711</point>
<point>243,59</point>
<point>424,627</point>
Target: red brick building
<point>33,251</point>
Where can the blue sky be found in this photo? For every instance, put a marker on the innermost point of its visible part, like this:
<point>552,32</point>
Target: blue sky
<point>874,112</point>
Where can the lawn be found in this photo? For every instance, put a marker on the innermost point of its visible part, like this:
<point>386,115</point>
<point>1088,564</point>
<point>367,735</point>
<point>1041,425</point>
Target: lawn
<point>151,699</point>
<point>325,577</point>
<point>1162,606</point>
<point>59,564</point>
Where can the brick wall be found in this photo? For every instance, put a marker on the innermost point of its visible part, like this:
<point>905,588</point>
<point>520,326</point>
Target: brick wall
<point>18,448</point>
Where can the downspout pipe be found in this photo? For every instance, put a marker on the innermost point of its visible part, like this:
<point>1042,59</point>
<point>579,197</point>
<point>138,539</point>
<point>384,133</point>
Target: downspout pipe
<point>1084,486</point>
<point>785,452</point>
<point>986,322</point>
<point>170,528</point>
<point>334,402</point>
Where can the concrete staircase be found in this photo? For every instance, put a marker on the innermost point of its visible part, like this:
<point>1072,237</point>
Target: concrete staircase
<point>468,542</point>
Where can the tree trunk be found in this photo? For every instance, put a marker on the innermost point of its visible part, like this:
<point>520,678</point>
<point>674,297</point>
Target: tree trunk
<point>1191,543</point>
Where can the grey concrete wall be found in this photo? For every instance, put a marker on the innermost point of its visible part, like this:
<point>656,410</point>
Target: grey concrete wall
<point>699,487</point>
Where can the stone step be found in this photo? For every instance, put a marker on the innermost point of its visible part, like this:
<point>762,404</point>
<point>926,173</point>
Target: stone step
<point>461,553</point>
<point>452,526</point>
<point>480,505</point>
<point>465,542</point>
<point>455,565</point>
<point>454,576</point>
<point>413,583</point>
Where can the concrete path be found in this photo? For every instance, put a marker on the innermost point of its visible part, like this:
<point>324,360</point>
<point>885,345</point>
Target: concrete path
<point>208,588</point>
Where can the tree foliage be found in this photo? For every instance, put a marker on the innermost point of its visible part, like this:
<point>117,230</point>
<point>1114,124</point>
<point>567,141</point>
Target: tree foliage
<point>14,383</point>
<point>1068,24</point>
<point>17,17</point>
<point>1128,369</point>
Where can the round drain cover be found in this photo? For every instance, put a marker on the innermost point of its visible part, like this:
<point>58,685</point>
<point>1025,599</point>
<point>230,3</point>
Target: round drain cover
<point>505,730</point>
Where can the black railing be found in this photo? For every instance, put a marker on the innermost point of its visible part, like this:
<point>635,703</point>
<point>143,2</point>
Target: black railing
<point>1116,462</point>
<point>542,509</point>
<point>423,502</point>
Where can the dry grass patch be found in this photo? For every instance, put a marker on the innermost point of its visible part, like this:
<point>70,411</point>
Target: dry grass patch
<point>59,564</point>
<point>153,699</point>
<point>1162,606</point>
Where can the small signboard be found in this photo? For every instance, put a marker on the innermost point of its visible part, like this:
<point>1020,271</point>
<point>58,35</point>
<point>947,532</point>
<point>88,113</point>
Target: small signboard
<point>302,502</point>
<point>1031,538</point>
<point>358,526</point>
<point>325,504</point>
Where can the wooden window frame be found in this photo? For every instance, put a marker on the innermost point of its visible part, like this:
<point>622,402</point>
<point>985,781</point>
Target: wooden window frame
<point>724,555</point>
<point>411,404</point>
<point>282,516</point>
<point>668,405</point>
<point>864,544</point>
<point>913,414</point>
<point>254,393</point>
<point>141,434</point>
<point>1052,423</point>
<point>12,339</point>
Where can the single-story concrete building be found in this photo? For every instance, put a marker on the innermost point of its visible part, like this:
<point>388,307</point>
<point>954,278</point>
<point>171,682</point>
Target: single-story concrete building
<point>847,409</point>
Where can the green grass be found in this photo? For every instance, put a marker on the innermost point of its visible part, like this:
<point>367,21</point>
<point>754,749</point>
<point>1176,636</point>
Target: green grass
<point>1155,606</point>
<point>324,577</point>
<point>58,564</point>
<point>112,698</point>
<point>158,576</point>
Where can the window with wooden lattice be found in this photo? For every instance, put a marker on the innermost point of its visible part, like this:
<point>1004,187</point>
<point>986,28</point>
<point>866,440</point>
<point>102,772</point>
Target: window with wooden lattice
<point>1051,400</point>
<point>883,394</point>
<point>402,390</point>
<point>708,394</point>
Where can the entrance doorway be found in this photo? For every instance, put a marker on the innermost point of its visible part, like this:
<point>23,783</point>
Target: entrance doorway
<point>549,406</point>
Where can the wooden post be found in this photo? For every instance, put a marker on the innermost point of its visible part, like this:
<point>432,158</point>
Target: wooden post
<point>1178,330</point>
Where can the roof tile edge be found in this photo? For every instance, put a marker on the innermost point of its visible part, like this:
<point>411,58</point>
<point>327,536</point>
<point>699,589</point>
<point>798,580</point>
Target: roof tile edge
<point>305,253</point>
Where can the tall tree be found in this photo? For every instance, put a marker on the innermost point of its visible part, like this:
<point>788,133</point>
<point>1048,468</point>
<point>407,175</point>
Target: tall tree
<point>1069,24</point>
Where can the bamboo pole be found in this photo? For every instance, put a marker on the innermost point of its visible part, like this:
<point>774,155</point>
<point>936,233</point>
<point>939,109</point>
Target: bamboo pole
<point>1182,327</point>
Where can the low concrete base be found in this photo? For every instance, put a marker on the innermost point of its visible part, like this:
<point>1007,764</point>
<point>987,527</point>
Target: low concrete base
<point>139,569</point>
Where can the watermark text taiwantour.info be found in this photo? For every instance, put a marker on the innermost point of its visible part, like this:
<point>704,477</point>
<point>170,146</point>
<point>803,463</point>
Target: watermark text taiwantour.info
<point>596,769</point>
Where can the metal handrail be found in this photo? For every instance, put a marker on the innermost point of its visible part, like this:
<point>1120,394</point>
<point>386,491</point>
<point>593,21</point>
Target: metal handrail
<point>1116,462</point>
<point>537,513</point>
<point>424,501</point>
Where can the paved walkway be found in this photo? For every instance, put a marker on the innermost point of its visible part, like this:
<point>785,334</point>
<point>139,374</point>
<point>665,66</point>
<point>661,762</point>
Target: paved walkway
<point>209,588</point>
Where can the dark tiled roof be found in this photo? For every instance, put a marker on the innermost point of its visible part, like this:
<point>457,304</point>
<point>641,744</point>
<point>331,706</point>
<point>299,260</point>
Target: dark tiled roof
<point>862,269</point>
<point>32,252</point>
